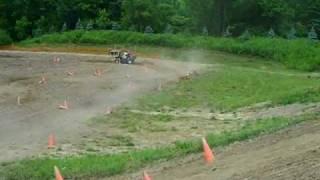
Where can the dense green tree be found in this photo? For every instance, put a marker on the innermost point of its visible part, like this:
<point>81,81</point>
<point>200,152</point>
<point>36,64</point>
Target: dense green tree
<point>102,20</point>
<point>24,18</point>
<point>64,27</point>
<point>89,26</point>
<point>22,28</point>
<point>79,25</point>
<point>148,30</point>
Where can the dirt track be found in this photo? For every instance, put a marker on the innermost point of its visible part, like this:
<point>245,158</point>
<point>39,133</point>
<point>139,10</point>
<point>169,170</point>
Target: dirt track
<point>293,153</point>
<point>24,129</point>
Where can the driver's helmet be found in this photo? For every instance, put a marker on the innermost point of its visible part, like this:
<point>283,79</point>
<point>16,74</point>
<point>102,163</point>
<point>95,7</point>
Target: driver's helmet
<point>125,55</point>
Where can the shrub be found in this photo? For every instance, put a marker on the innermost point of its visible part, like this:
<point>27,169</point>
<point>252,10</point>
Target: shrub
<point>4,38</point>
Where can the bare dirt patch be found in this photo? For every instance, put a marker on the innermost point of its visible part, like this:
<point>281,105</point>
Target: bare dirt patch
<point>24,129</point>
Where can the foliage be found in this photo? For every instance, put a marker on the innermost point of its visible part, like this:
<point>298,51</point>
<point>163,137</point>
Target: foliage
<point>89,26</point>
<point>20,20</point>
<point>292,33</point>
<point>205,31</point>
<point>148,30</point>
<point>246,35</point>
<point>4,38</point>
<point>21,28</point>
<point>79,25</point>
<point>102,19</point>
<point>169,29</point>
<point>271,33</point>
<point>116,26</point>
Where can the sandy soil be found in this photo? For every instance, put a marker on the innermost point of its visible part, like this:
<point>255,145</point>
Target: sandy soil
<point>24,128</point>
<point>293,153</point>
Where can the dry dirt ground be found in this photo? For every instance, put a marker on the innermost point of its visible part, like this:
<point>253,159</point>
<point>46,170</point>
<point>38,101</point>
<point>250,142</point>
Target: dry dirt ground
<point>24,129</point>
<point>291,154</point>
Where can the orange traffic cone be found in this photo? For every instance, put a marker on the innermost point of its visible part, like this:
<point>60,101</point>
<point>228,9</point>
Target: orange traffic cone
<point>98,72</point>
<point>64,106</point>
<point>146,176</point>
<point>19,100</point>
<point>207,152</point>
<point>56,60</point>
<point>57,173</point>
<point>43,80</point>
<point>51,141</point>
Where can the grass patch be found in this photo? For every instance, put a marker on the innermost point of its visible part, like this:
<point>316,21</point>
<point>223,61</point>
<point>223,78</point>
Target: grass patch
<point>98,166</point>
<point>134,122</point>
<point>228,88</point>
<point>307,95</point>
<point>299,54</point>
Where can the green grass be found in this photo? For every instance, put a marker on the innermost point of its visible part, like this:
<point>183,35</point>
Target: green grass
<point>97,166</point>
<point>134,122</point>
<point>299,54</point>
<point>228,88</point>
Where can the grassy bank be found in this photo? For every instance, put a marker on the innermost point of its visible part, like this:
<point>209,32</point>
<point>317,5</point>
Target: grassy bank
<point>299,54</point>
<point>107,165</point>
<point>228,88</point>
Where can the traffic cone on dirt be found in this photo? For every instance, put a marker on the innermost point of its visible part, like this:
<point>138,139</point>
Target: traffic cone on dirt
<point>70,73</point>
<point>57,173</point>
<point>146,176</point>
<point>98,72</point>
<point>43,80</point>
<point>207,152</point>
<point>18,100</point>
<point>56,60</point>
<point>64,106</point>
<point>51,141</point>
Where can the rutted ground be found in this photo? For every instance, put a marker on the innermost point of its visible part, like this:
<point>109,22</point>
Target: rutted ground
<point>24,129</point>
<point>293,153</point>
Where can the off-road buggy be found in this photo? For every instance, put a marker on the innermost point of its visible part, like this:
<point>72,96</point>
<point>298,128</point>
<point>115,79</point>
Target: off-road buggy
<point>123,56</point>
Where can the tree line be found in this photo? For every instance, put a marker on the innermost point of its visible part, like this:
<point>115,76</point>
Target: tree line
<point>30,18</point>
